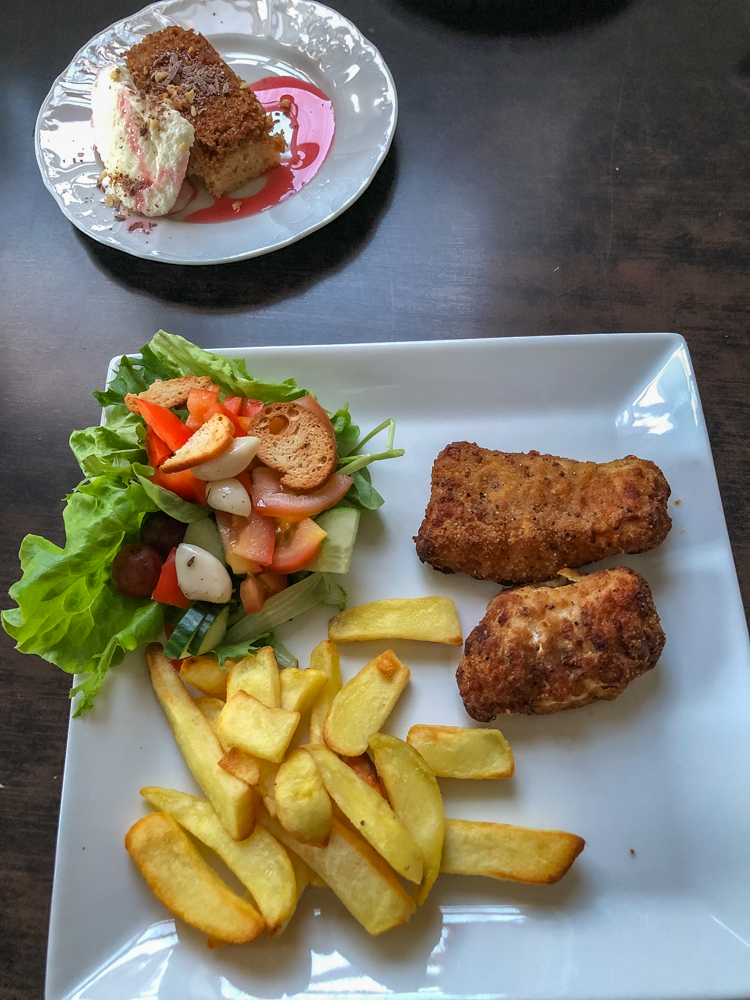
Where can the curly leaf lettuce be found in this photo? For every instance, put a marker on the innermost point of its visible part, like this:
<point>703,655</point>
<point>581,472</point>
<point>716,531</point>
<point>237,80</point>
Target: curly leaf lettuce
<point>69,611</point>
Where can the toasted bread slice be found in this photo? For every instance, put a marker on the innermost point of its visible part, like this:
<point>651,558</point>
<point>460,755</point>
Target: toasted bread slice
<point>296,442</point>
<point>170,394</point>
<point>209,441</point>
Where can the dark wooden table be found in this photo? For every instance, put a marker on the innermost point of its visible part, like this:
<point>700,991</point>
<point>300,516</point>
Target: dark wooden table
<point>572,167</point>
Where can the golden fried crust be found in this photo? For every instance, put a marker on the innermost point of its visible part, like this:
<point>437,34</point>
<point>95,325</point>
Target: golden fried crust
<point>540,650</point>
<point>520,518</point>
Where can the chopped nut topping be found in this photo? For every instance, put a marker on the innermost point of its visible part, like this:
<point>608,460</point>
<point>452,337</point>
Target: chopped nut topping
<point>182,147</point>
<point>160,77</point>
<point>286,103</point>
<point>102,175</point>
<point>109,200</point>
<point>190,96</point>
<point>193,110</point>
<point>168,102</point>
<point>191,49</point>
<point>153,124</point>
<point>115,74</point>
<point>236,206</point>
<point>244,85</point>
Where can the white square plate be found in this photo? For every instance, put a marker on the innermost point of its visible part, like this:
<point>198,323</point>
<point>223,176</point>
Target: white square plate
<point>658,782</point>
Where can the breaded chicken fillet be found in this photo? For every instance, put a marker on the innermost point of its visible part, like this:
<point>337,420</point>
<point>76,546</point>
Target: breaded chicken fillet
<point>517,518</point>
<point>540,650</point>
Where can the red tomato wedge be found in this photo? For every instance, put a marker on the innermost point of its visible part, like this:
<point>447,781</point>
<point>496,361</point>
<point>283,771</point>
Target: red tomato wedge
<point>232,404</point>
<point>250,407</point>
<point>184,484</point>
<point>158,451</point>
<point>198,402</point>
<point>274,501</point>
<point>256,537</point>
<point>229,531</point>
<point>165,424</point>
<point>252,595</point>
<point>168,589</point>
<point>297,544</point>
<point>273,583</point>
<point>314,406</point>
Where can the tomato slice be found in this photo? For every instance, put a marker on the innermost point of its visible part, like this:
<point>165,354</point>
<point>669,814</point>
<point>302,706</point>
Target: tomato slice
<point>164,423</point>
<point>250,407</point>
<point>184,484</point>
<point>158,451</point>
<point>297,544</point>
<point>256,538</point>
<point>232,404</point>
<point>314,406</point>
<point>273,500</point>
<point>229,531</point>
<point>252,595</point>
<point>198,402</point>
<point>168,589</point>
<point>273,583</point>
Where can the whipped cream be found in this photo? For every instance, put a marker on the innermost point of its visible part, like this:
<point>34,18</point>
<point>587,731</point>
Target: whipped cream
<point>143,143</point>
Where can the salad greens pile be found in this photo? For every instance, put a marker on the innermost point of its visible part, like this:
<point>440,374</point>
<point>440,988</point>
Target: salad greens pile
<point>68,609</point>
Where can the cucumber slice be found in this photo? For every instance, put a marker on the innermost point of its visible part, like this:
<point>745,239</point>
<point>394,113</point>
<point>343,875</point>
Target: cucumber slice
<point>185,629</point>
<point>214,633</point>
<point>206,535</point>
<point>341,524</point>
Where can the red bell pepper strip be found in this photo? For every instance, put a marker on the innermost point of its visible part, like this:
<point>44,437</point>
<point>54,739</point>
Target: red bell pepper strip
<point>158,451</point>
<point>184,484</point>
<point>168,589</point>
<point>164,423</point>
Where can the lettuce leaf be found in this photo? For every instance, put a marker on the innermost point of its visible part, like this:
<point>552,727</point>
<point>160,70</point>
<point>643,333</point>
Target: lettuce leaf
<point>69,611</point>
<point>118,442</point>
<point>135,375</point>
<point>232,376</point>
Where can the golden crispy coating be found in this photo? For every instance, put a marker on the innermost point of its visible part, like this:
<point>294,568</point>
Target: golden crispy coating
<point>517,518</point>
<point>540,650</point>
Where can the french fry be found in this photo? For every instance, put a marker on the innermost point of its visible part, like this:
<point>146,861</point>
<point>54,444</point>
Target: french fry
<point>369,813</point>
<point>258,676</point>
<point>259,862</point>
<point>250,725</point>
<point>242,765</point>
<point>502,851</point>
<point>180,878</point>
<point>316,880</point>
<point>300,688</point>
<point>210,709</point>
<point>205,674</point>
<point>325,659</point>
<point>415,798</point>
<point>302,804</point>
<point>459,752</point>
<point>428,619</point>
<point>302,874</point>
<point>357,874</point>
<point>267,784</point>
<point>364,767</point>
<point>232,798</point>
<point>364,703</point>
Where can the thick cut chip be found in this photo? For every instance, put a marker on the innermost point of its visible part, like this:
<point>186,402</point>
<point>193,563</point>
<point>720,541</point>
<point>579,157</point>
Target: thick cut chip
<point>415,798</point>
<point>250,725</point>
<point>499,850</point>
<point>364,703</point>
<point>205,674</point>
<point>300,688</point>
<point>302,803</point>
<point>428,619</point>
<point>210,709</point>
<point>369,814</point>
<point>259,862</point>
<point>267,784</point>
<point>325,659</point>
<point>364,883</point>
<point>364,767</point>
<point>200,746</point>
<point>459,752</point>
<point>259,676</point>
<point>180,878</point>
<point>242,765</point>
<point>302,876</point>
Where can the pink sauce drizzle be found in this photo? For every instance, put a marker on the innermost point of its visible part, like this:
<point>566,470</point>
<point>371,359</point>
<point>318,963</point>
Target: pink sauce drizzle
<point>310,114</point>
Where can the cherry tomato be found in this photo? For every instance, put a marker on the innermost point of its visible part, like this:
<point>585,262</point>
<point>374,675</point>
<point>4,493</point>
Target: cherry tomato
<point>136,569</point>
<point>297,544</point>
<point>272,499</point>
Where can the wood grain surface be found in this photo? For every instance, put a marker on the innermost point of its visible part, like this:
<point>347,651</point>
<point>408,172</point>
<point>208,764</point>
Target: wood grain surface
<point>569,167</point>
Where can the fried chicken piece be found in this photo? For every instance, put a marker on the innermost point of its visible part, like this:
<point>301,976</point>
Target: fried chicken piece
<point>517,518</point>
<point>540,650</point>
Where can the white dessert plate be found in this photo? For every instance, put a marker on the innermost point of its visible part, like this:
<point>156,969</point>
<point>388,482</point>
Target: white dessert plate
<point>257,38</point>
<point>657,782</point>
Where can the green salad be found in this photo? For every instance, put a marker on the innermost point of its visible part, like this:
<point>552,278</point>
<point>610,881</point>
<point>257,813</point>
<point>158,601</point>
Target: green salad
<point>215,554</point>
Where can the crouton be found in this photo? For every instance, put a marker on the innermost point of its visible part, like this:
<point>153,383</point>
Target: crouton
<point>171,394</point>
<point>209,441</point>
<point>295,442</point>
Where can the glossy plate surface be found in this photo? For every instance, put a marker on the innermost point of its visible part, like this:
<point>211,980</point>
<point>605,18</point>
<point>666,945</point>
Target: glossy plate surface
<point>257,38</point>
<point>657,782</point>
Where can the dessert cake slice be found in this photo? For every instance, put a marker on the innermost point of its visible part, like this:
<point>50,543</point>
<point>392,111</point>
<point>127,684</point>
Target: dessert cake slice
<point>233,144</point>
